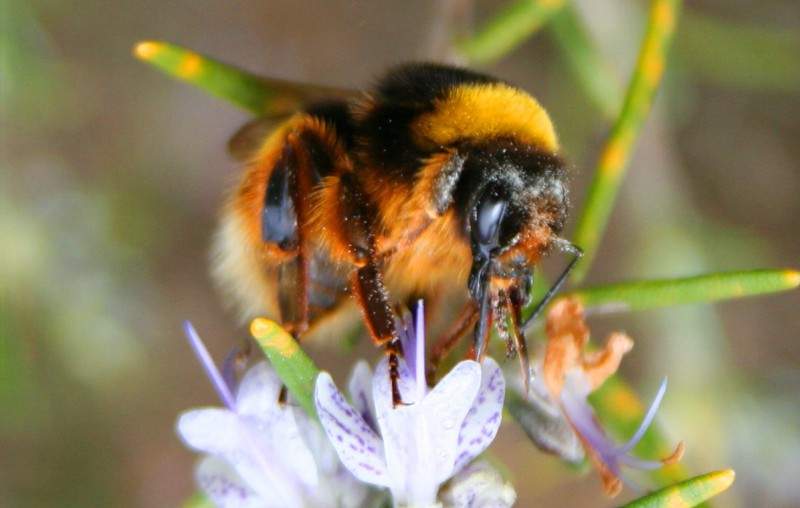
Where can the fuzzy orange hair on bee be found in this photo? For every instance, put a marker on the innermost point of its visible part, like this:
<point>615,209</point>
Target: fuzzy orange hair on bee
<point>438,177</point>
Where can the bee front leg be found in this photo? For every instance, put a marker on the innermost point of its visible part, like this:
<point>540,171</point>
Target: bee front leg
<point>367,286</point>
<point>373,300</point>
<point>445,344</point>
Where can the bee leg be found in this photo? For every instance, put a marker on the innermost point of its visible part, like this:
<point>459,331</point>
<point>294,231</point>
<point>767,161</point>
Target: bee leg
<point>518,297</point>
<point>366,281</point>
<point>393,351</point>
<point>551,293</point>
<point>451,338</point>
<point>372,298</point>
<point>293,285</point>
<point>285,218</point>
<point>483,327</point>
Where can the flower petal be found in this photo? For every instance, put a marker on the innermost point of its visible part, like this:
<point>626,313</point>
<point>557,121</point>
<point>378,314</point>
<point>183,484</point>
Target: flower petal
<point>220,482</point>
<point>209,430</point>
<point>483,419</point>
<point>479,485</point>
<point>258,392</point>
<point>445,408</point>
<point>271,428</point>
<point>357,445</point>
<point>397,425</point>
<point>222,433</point>
<point>360,390</point>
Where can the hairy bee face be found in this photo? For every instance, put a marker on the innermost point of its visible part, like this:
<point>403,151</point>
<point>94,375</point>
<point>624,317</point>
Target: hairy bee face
<point>512,200</point>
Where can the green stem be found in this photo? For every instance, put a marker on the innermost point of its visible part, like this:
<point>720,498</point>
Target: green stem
<point>614,158</point>
<point>508,29</point>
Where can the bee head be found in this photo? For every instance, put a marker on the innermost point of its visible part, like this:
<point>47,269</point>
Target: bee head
<point>516,203</point>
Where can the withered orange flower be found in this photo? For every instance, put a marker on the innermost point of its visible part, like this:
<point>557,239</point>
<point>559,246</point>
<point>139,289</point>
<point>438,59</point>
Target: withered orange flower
<point>570,373</point>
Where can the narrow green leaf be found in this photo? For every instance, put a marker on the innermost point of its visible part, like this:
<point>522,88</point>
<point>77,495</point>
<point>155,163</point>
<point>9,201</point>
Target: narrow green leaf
<point>293,366</point>
<point>261,96</point>
<point>687,493</point>
<point>508,29</point>
<point>703,288</point>
<point>617,151</point>
<point>595,73</point>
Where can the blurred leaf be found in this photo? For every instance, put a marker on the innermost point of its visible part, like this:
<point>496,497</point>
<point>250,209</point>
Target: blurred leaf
<point>592,69</point>
<point>703,288</point>
<point>293,366</point>
<point>617,151</point>
<point>733,53</point>
<point>508,29</point>
<point>261,96</point>
<point>198,500</point>
<point>687,493</point>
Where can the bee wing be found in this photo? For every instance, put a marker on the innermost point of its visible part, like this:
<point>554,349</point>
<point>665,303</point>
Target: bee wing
<point>288,98</point>
<point>248,139</point>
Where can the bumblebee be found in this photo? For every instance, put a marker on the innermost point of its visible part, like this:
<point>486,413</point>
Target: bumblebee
<point>438,178</point>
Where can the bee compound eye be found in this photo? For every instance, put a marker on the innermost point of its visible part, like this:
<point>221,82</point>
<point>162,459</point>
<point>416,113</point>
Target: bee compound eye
<point>486,221</point>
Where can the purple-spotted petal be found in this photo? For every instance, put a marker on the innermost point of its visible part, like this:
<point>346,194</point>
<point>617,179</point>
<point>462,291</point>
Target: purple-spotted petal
<point>421,437</point>
<point>483,419</point>
<point>224,487</point>
<point>261,440</point>
<point>446,408</point>
<point>360,390</point>
<point>358,447</point>
<point>222,433</point>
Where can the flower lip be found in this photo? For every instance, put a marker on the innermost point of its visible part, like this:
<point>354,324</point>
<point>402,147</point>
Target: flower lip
<point>422,444</point>
<point>259,452</point>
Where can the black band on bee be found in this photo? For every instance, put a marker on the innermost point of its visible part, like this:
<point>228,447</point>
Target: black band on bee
<point>387,140</point>
<point>337,115</point>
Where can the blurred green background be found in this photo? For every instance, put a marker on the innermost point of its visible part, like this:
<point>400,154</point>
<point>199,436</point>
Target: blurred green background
<point>111,176</point>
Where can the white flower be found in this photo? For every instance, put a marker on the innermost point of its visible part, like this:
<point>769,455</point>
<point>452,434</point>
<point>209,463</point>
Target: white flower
<point>479,485</point>
<point>422,443</point>
<point>261,453</point>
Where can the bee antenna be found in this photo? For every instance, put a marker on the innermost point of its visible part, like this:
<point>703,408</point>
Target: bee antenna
<point>565,246</point>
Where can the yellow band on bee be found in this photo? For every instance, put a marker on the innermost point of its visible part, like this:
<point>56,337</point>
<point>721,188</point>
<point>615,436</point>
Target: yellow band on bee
<point>486,111</point>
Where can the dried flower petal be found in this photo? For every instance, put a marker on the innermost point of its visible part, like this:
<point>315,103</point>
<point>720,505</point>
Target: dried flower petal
<point>570,374</point>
